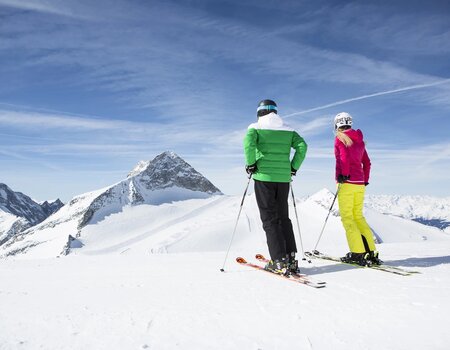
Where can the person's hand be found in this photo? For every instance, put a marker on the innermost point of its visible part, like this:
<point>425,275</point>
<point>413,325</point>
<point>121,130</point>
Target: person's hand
<point>342,178</point>
<point>293,171</point>
<point>251,169</point>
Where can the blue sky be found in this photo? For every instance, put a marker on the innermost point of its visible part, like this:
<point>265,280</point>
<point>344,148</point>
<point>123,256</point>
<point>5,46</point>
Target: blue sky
<point>89,88</point>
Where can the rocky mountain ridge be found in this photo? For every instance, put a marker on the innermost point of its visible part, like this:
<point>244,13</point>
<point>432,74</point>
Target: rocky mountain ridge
<point>20,212</point>
<point>164,179</point>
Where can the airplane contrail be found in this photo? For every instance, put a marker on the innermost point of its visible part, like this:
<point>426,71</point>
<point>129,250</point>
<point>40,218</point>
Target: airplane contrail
<point>413,87</point>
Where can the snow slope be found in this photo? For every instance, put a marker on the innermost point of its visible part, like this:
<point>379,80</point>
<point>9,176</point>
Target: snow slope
<point>183,301</point>
<point>7,223</point>
<point>147,277</point>
<point>201,225</point>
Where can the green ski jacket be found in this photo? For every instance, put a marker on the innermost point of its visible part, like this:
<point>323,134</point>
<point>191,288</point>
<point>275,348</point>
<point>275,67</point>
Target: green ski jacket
<point>268,143</point>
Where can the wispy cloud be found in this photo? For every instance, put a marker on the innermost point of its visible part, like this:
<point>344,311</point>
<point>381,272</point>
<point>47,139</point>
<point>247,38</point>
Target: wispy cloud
<point>29,160</point>
<point>382,93</point>
<point>33,120</point>
<point>316,125</point>
<point>91,136</point>
<point>189,74</point>
<point>417,157</point>
<point>55,7</point>
<point>396,32</point>
<point>123,62</point>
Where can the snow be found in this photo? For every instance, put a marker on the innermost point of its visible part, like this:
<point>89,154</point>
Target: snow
<point>7,220</point>
<point>411,206</point>
<point>183,301</point>
<point>147,277</point>
<point>139,168</point>
<point>421,208</point>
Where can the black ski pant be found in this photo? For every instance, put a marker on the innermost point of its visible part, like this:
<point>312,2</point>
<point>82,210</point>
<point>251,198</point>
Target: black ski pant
<point>272,199</point>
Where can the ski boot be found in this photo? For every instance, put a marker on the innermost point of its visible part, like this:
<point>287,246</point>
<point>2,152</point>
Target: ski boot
<point>373,257</point>
<point>361,259</point>
<point>279,267</point>
<point>292,264</point>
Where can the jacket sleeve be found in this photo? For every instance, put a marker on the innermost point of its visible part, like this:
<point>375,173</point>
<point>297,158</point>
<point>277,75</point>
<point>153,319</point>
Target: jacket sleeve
<point>366,166</point>
<point>250,146</point>
<point>342,158</point>
<point>300,146</point>
<point>338,160</point>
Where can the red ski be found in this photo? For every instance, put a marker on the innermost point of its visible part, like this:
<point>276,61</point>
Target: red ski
<point>303,279</point>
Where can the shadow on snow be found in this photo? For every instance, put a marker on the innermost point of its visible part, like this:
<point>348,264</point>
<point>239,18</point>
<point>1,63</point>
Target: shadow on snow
<point>420,262</point>
<point>409,262</point>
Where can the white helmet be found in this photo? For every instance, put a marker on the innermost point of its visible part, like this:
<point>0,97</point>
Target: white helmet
<point>342,119</point>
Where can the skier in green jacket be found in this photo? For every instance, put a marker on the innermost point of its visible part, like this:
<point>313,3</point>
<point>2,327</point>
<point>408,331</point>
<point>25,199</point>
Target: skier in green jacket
<point>267,147</point>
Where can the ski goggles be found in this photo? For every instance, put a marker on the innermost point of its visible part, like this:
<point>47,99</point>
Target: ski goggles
<point>267,108</point>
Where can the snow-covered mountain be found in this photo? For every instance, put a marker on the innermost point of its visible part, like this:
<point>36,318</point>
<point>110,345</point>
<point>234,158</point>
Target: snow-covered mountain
<point>51,207</point>
<point>165,205</point>
<point>19,212</point>
<point>20,205</point>
<point>165,179</point>
<point>432,211</point>
<point>193,225</point>
<point>168,170</point>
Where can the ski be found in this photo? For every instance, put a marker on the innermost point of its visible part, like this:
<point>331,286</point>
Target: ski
<point>263,259</point>
<point>386,268</point>
<point>302,280</point>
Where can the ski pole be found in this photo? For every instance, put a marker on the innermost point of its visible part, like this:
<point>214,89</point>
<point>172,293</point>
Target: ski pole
<point>298,225</point>
<point>235,225</point>
<point>329,211</point>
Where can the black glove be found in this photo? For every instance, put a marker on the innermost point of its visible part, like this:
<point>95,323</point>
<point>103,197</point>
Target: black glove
<point>366,183</point>
<point>293,171</point>
<point>251,169</point>
<point>342,178</point>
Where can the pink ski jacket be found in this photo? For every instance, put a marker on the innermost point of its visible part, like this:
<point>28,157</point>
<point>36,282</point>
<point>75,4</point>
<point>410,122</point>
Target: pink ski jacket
<point>353,160</point>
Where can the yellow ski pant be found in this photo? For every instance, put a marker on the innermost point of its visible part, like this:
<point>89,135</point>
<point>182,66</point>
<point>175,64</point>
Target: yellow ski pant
<point>351,201</point>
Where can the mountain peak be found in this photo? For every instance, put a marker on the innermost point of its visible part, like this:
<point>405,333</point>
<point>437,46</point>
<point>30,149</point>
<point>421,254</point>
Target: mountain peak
<point>143,165</point>
<point>139,168</point>
<point>168,154</point>
<point>51,207</point>
<point>20,205</point>
<point>324,195</point>
<point>170,170</point>
<point>23,212</point>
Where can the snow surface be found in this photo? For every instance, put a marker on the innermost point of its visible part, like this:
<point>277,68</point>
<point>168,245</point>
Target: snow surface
<point>148,277</point>
<point>7,220</point>
<point>183,301</point>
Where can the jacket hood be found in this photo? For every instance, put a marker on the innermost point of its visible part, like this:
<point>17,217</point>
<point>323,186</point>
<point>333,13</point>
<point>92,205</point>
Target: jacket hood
<point>355,135</point>
<point>271,119</point>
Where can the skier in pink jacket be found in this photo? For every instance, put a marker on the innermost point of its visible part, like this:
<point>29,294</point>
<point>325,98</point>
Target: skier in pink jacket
<point>352,174</point>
